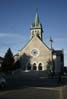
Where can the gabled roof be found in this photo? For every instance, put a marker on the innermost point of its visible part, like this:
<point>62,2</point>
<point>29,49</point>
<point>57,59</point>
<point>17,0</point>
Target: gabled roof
<point>23,47</point>
<point>39,40</point>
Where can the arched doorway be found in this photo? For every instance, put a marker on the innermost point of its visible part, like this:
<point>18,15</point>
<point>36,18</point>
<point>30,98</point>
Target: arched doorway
<point>29,66</point>
<point>40,66</point>
<point>34,66</point>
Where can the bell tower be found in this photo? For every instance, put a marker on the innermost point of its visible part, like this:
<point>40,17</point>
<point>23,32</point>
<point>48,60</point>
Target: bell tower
<point>36,28</point>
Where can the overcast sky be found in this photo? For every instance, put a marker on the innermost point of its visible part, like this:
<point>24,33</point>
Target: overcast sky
<point>16,17</point>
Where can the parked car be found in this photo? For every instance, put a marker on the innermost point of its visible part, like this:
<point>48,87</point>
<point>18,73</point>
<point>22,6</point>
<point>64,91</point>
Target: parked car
<point>2,82</point>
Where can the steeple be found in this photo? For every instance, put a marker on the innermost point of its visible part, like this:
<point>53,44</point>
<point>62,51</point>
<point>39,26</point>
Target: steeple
<point>37,21</point>
<point>36,27</point>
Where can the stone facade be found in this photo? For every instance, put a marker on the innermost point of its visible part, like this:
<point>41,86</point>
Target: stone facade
<point>42,56</point>
<point>36,55</point>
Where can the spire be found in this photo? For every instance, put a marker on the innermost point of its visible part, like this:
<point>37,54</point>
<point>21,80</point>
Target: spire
<point>36,27</point>
<point>51,41</point>
<point>37,21</point>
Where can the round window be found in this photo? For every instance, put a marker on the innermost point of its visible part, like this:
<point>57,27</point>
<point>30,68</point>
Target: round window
<point>35,52</point>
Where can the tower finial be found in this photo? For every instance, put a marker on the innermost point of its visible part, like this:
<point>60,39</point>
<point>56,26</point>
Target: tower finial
<point>51,41</point>
<point>36,10</point>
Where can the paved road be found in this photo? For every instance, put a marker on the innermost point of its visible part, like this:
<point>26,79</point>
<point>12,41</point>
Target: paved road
<point>32,93</point>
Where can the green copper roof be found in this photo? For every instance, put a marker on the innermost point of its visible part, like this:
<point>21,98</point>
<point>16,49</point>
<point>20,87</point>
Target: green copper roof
<point>36,24</point>
<point>37,21</point>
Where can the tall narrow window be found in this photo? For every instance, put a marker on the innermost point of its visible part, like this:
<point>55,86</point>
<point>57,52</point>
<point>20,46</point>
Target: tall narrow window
<point>34,66</point>
<point>40,66</point>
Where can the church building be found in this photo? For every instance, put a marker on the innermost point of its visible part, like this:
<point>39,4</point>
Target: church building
<point>36,55</point>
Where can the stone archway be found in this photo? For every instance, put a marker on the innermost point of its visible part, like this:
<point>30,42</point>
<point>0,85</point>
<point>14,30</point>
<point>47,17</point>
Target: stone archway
<point>34,66</point>
<point>40,66</point>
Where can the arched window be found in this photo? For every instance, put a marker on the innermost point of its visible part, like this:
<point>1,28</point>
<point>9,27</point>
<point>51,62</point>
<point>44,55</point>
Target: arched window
<point>34,66</point>
<point>40,66</point>
<point>29,66</point>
